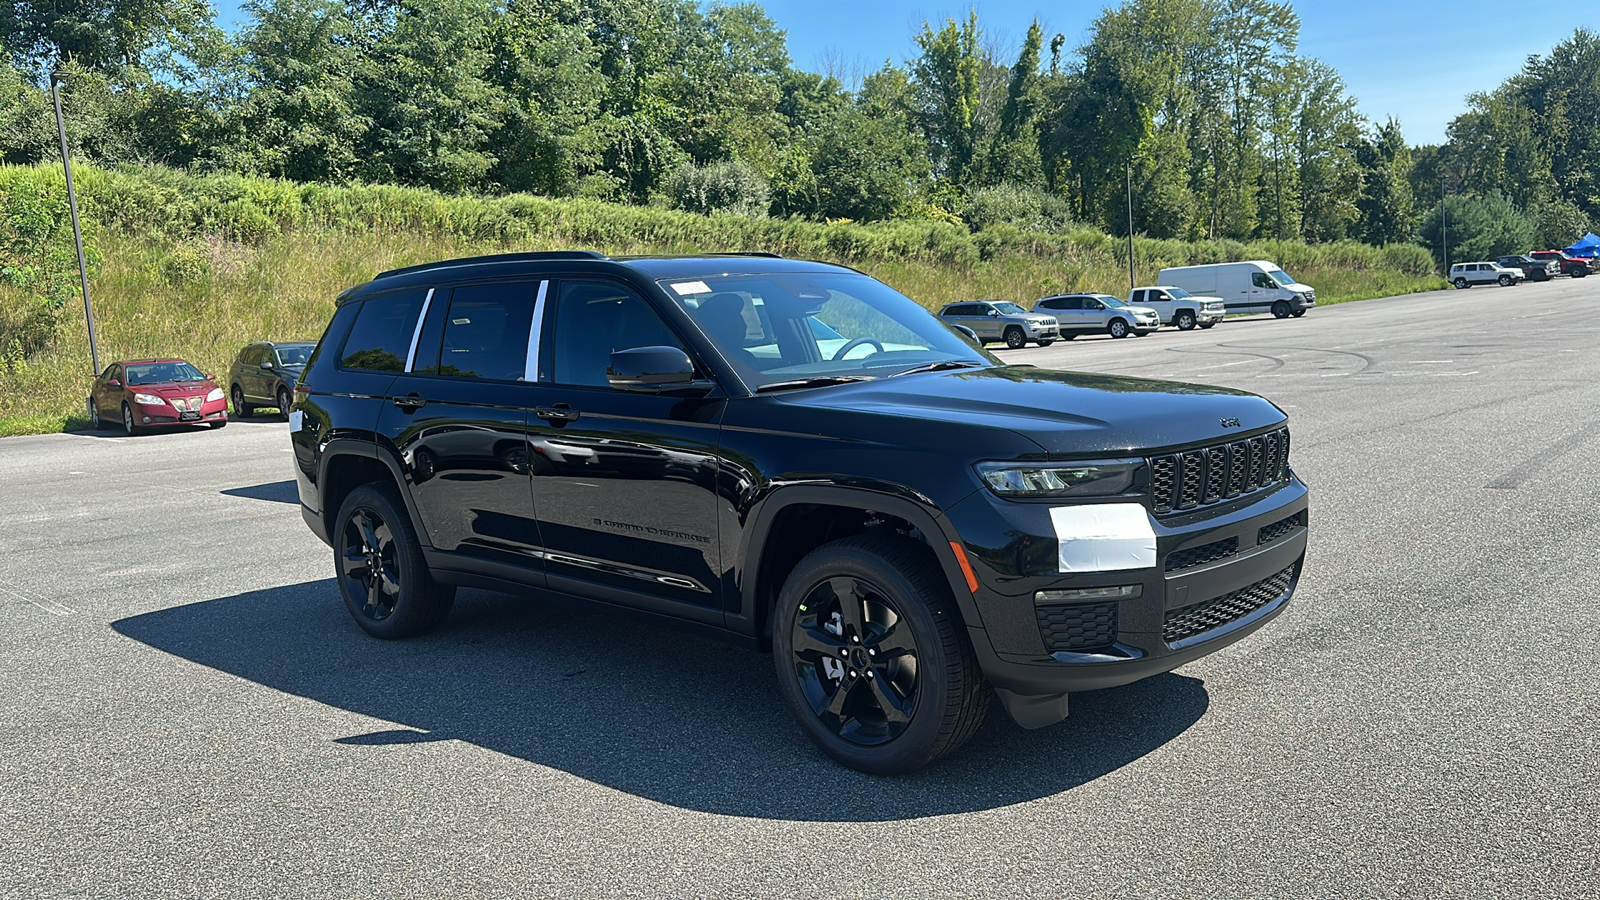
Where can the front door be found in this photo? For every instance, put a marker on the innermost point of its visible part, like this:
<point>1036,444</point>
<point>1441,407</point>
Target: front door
<point>625,483</point>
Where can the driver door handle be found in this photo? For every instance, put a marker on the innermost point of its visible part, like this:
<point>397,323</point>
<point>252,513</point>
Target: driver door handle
<point>557,413</point>
<point>411,401</point>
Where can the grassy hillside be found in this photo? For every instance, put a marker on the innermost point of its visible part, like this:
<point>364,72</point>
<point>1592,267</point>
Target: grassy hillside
<point>198,266</point>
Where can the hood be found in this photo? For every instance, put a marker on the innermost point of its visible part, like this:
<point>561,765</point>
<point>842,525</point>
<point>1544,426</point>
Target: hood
<point>1038,316</point>
<point>175,388</point>
<point>1142,311</point>
<point>1066,414</point>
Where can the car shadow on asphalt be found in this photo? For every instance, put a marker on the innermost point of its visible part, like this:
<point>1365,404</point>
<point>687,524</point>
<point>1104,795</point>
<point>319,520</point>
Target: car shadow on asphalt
<point>272,492</point>
<point>667,716</point>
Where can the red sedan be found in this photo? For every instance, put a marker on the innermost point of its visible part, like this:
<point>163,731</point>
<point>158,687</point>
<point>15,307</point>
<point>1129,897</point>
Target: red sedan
<point>143,393</point>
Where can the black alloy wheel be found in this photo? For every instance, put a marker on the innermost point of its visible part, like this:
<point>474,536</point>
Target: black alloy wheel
<point>284,402</point>
<point>127,420</point>
<point>240,408</point>
<point>1186,319</point>
<point>1117,328</point>
<point>1281,310</point>
<point>1015,339</point>
<point>382,576</point>
<point>871,657</point>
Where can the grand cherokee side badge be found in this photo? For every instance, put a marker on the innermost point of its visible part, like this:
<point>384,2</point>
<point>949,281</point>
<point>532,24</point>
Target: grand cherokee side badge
<point>1229,422</point>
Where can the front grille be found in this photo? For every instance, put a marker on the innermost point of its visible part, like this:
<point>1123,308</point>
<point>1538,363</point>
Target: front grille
<point>1078,627</point>
<point>1199,556</point>
<point>1202,617</point>
<point>1183,481</point>
<point>1280,528</point>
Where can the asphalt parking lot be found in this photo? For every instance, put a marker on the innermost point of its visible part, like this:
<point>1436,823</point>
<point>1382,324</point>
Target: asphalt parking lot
<point>189,711</point>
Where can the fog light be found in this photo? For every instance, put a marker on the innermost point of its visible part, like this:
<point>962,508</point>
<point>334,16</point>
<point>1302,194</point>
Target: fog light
<point>147,420</point>
<point>1078,595</point>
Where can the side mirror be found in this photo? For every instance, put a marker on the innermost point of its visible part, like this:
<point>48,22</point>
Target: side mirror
<point>209,377</point>
<point>113,384</point>
<point>266,365</point>
<point>649,370</point>
<point>994,313</point>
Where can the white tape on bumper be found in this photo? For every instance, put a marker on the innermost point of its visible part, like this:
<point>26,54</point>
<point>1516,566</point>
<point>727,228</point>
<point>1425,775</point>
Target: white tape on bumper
<point>1104,537</point>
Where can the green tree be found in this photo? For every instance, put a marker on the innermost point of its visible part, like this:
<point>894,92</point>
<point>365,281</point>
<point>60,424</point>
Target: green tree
<point>947,77</point>
<point>1479,228</point>
<point>1013,156</point>
<point>1386,204</point>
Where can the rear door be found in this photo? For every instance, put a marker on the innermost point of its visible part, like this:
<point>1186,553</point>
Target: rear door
<point>458,419</point>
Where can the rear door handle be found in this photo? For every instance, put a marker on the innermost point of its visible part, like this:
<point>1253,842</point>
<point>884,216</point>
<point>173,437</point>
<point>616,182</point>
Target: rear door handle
<point>411,401</point>
<point>557,414</point>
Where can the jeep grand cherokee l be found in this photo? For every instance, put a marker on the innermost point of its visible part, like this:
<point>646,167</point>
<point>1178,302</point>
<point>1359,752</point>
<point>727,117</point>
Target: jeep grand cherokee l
<point>911,526</point>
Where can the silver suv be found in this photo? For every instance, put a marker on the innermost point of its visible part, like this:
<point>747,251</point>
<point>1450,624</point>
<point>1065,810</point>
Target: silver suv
<point>1093,313</point>
<point>1464,275</point>
<point>1002,320</point>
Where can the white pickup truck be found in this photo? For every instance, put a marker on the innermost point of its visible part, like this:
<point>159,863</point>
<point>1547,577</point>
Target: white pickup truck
<point>1178,307</point>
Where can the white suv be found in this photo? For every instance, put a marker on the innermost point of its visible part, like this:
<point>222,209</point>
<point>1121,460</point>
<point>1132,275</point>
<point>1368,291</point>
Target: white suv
<point>1465,275</point>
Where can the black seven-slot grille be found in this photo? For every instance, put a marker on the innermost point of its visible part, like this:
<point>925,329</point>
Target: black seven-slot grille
<point>1217,612</point>
<point>1184,481</point>
<point>1078,627</point>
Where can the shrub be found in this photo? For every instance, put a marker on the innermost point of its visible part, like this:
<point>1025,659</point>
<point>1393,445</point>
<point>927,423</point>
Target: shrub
<point>730,186</point>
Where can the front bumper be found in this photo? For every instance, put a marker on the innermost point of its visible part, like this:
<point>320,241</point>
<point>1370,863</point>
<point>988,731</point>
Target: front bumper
<point>164,414</point>
<point>1193,602</point>
<point>1044,331</point>
<point>1208,316</point>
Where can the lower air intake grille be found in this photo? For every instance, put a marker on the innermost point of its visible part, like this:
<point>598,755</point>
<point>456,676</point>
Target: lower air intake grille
<point>1078,627</point>
<point>1202,617</point>
<point>1199,556</point>
<point>1280,528</point>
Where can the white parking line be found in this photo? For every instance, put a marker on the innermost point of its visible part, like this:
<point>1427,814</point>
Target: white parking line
<point>49,606</point>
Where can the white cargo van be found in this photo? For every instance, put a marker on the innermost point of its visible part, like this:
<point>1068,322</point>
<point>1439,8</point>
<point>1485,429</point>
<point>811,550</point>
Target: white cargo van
<point>1245,287</point>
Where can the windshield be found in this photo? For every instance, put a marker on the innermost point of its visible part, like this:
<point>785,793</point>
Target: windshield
<point>797,326</point>
<point>293,355</point>
<point>1280,277</point>
<point>1110,301</point>
<point>160,373</point>
<point>1008,308</point>
<point>1178,293</point>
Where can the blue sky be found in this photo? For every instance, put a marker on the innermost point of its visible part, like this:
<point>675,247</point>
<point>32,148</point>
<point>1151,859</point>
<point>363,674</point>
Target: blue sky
<point>1416,61</point>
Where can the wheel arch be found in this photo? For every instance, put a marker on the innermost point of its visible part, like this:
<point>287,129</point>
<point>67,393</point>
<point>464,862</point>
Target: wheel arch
<point>347,463</point>
<point>819,515</point>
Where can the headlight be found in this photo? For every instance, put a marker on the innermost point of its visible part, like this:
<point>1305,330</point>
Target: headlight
<point>149,400</point>
<point>215,395</point>
<point>1075,479</point>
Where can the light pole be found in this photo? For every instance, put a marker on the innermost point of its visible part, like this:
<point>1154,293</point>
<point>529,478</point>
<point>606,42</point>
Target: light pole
<point>77,232</point>
<point>1444,226</point>
<point>1130,222</point>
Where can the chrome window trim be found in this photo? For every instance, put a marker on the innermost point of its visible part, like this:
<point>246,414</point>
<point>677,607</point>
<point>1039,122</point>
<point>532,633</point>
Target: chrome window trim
<point>416,333</point>
<point>530,365</point>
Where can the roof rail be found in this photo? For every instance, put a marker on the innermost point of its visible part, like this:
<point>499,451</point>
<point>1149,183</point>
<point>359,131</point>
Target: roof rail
<point>494,258</point>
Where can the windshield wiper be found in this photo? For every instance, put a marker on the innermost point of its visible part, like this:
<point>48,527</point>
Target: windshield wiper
<point>939,366</point>
<point>817,381</point>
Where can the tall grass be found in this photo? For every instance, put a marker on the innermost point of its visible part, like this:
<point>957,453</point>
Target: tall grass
<point>198,266</point>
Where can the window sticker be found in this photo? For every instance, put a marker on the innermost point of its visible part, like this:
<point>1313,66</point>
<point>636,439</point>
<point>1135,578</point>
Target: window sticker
<point>685,288</point>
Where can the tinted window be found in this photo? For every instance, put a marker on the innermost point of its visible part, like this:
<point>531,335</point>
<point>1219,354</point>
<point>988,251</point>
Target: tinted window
<point>381,336</point>
<point>486,332</point>
<point>592,320</point>
<point>1260,279</point>
<point>1054,303</point>
<point>293,354</point>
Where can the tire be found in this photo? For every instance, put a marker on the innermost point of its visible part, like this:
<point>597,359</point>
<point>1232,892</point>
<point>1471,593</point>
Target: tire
<point>94,415</point>
<point>240,408</point>
<point>378,563</point>
<point>843,605</point>
<point>1046,342</point>
<point>1460,283</point>
<point>1298,313</point>
<point>1185,320</point>
<point>1580,273</point>
<point>221,423</point>
<point>1015,339</point>
<point>1117,328</point>
<point>1281,310</point>
<point>284,402</point>
<point>1068,337</point>
<point>1205,325</point>
<point>1505,280</point>
<point>128,427</point>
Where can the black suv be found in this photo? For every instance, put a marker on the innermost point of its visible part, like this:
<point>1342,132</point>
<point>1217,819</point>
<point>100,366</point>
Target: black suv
<point>793,456</point>
<point>264,374</point>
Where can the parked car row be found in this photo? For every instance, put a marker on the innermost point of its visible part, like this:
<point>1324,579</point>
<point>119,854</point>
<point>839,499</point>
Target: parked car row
<point>1188,297</point>
<point>1536,265</point>
<point>138,394</point>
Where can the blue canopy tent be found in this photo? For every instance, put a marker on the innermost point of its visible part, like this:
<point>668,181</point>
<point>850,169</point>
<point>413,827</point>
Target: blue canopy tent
<point>1588,247</point>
